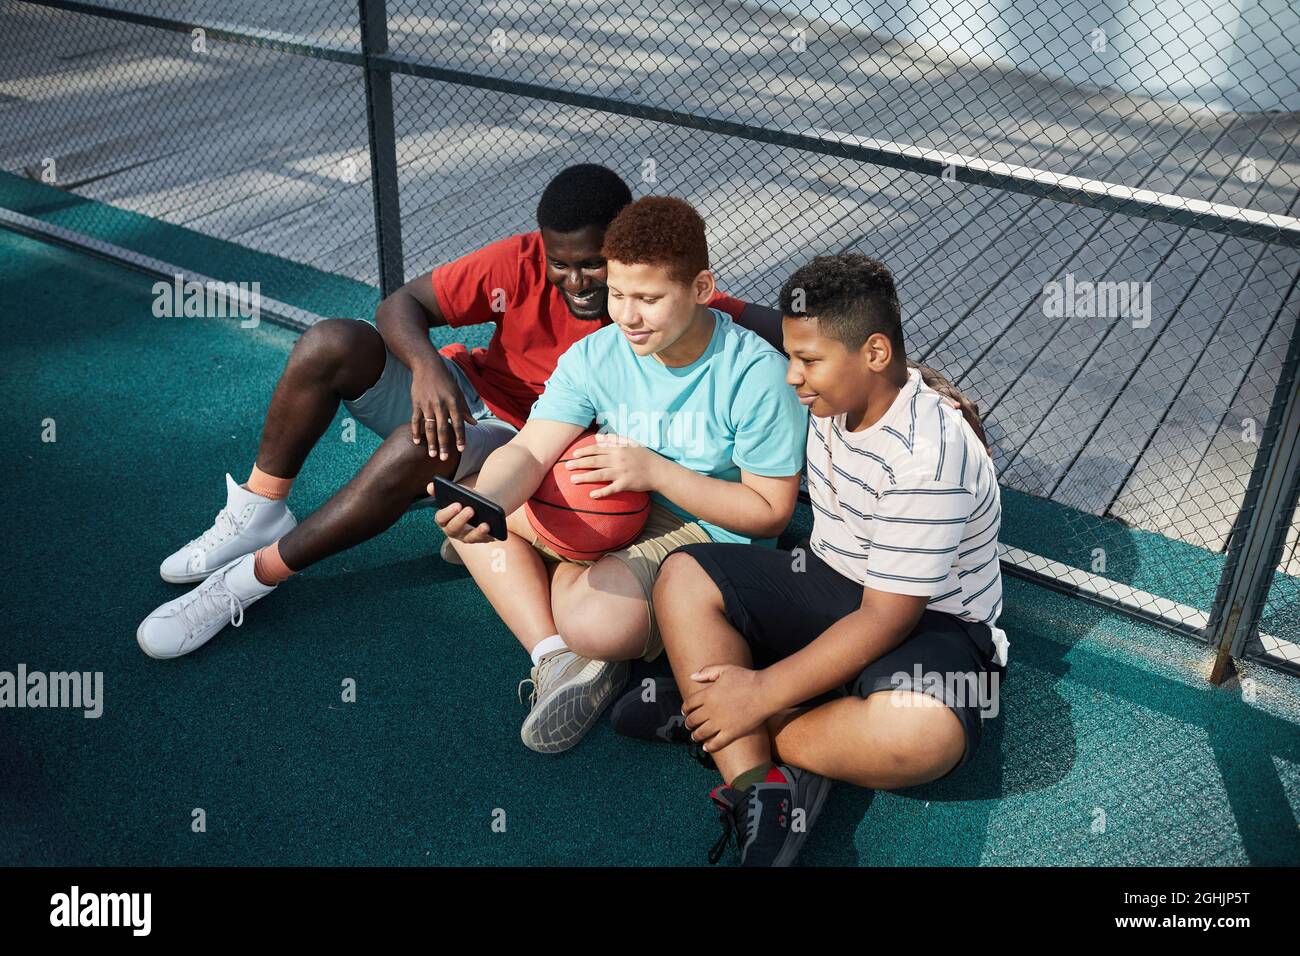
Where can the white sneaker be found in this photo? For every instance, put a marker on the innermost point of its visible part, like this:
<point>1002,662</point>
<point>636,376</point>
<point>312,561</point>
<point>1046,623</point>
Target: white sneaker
<point>193,619</point>
<point>246,523</point>
<point>569,693</point>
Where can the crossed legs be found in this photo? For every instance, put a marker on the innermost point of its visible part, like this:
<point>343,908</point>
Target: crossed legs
<point>871,742</point>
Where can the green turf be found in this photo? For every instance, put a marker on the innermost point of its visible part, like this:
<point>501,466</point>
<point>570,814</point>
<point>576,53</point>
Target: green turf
<point>1101,714</point>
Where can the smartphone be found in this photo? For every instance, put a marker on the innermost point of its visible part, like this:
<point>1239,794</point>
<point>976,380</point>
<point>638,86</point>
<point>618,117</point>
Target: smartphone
<point>445,492</point>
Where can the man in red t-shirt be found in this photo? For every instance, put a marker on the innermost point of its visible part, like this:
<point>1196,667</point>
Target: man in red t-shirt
<point>441,412</point>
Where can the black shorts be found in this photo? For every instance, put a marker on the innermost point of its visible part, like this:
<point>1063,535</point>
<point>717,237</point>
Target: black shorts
<point>780,610</point>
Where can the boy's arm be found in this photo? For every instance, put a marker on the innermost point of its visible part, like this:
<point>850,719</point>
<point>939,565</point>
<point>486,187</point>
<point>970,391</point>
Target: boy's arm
<point>757,506</point>
<point>730,701</point>
<point>770,436</point>
<point>510,475</point>
<point>918,528</point>
<point>841,652</point>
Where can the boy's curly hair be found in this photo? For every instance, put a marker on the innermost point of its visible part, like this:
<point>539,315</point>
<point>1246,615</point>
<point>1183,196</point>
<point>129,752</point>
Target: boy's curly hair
<point>851,295</point>
<point>659,231</point>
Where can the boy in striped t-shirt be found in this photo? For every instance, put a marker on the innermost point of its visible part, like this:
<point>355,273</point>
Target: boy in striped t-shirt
<point>900,590</point>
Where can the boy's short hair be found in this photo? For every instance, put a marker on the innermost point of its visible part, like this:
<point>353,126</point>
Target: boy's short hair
<point>659,231</point>
<point>581,196</point>
<point>852,296</point>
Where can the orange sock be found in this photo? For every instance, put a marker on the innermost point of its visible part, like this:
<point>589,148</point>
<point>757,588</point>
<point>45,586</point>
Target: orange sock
<point>268,486</point>
<point>269,567</point>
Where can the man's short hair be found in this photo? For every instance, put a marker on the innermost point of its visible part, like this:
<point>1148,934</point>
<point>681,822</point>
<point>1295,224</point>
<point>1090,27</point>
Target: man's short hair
<point>659,231</point>
<point>852,296</point>
<point>581,196</point>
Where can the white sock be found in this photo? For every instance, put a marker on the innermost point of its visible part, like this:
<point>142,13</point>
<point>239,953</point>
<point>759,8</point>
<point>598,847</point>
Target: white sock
<point>243,582</point>
<point>548,644</point>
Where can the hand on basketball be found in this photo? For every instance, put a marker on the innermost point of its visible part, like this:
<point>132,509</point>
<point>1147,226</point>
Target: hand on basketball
<point>727,705</point>
<point>625,464</point>
<point>455,522</point>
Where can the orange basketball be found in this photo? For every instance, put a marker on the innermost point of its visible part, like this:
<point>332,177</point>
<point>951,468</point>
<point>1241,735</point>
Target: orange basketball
<point>574,524</point>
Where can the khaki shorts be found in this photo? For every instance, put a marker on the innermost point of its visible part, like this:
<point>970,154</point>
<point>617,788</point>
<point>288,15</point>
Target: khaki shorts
<point>664,531</point>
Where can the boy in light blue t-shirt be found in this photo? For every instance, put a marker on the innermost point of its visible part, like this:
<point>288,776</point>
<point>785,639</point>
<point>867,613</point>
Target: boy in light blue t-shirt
<point>698,414</point>
<point>727,412</point>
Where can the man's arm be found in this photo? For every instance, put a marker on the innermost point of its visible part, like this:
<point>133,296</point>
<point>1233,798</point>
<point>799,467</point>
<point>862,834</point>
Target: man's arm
<point>766,322</point>
<point>438,409</point>
<point>405,318</point>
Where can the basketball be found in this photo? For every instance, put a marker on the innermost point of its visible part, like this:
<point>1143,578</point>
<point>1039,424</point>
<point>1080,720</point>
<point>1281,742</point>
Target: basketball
<point>574,524</point>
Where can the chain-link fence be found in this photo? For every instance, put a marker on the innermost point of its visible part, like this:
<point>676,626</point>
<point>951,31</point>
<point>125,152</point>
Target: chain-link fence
<point>1090,208</point>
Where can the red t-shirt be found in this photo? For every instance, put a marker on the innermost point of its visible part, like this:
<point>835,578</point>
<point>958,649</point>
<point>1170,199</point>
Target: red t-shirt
<point>534,330</point>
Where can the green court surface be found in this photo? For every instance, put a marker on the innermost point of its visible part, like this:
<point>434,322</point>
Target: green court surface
<point>1111,747</point>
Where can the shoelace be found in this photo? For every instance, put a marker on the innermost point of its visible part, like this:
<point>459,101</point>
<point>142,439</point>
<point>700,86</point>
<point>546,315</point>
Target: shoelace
<point>208,597</point>
<point>537,678</point>
<point>223,527</point>
<point>532,697</point>
<point>730,826</point>
<point>699,754</point>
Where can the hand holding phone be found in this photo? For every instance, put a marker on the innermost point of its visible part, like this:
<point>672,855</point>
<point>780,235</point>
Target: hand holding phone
<point>475,511</point>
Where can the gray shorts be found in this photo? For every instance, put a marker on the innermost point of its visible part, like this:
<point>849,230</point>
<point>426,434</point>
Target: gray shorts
<point>386,406</point>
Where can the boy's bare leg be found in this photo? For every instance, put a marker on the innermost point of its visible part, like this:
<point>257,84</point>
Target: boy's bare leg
<point>571,688</point>
<point>514,578</point>
<point>601,610</point>
<point>885,741</point>
<point>696,634</point>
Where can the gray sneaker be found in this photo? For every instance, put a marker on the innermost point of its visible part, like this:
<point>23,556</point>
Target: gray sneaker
<point>569,693</point>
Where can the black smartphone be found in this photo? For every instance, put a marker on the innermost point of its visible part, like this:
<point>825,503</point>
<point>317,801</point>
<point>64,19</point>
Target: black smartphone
<point>445,492</point>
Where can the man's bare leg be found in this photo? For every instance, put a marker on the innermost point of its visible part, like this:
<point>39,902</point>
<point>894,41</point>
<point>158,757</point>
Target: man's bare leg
<point>377,496</point>
<point>333,361</point>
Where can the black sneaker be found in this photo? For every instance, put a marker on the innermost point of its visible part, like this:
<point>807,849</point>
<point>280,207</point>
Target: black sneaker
<point>657,719</point>
<point>772,819</point>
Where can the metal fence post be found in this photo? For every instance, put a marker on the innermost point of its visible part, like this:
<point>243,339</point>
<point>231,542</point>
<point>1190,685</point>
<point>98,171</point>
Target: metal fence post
<point>1259,531</point>
<point>383,146</point>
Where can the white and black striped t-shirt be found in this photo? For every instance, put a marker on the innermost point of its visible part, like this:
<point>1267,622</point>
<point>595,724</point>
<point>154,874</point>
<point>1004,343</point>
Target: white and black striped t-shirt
<point>911,505</point>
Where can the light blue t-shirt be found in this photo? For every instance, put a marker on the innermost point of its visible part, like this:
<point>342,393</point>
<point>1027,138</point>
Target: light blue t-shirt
<point>728,410</point>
